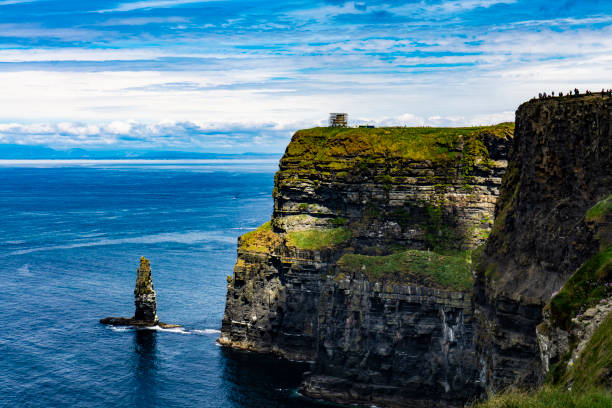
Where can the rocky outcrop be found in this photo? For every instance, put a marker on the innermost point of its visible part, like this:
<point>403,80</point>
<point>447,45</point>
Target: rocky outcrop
<point>558,346</point>
<point>364,268</point>
<point>145,298</point>
<point>559,168</point>
<point>145,302</point>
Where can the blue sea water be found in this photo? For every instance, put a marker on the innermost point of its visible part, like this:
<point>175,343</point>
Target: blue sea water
<point>71,236</point>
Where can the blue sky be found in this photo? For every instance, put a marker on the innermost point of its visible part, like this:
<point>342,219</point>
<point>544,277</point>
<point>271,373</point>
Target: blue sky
<point>236,76</point>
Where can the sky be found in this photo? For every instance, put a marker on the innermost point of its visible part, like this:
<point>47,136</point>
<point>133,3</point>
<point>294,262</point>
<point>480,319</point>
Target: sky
<point>242,76</point>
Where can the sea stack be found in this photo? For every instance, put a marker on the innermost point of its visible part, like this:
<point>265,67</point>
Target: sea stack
<point>145,302</point>
<point>144,294</point>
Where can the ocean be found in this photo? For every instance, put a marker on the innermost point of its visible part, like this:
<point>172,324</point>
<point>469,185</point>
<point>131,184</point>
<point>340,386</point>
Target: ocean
<point>71,236</point>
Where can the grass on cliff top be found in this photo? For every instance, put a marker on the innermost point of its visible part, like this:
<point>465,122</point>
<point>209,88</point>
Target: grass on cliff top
<point>263,239</point>
<point>550,397</point>
<point>318,238</point>
<point>599,211</point>
<point>416,144</point>
<point>451,271</point>
<point>594,365</point>
<point>586,287</point>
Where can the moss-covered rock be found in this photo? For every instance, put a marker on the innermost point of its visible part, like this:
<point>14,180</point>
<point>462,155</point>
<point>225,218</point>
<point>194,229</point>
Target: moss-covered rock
<point>426,268</point>
<point>593,367</point>
<point>591,283</point>
<point>263,239</point>
<point>342,148</point>
<point>316,239</point>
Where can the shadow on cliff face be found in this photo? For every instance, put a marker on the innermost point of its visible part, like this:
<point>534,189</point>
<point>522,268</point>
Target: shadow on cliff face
<point>145,363</point>
<point>255,380</point>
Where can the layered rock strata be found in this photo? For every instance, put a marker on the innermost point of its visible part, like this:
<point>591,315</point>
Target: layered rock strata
<point>560,167</point>
<point>145,302</point>
<point>364,268</point>
<point>394,345</point>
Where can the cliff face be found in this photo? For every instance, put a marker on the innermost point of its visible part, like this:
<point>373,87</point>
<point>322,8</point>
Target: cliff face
<point>560,167</point>
<point>393,345</point>
<point>365,266</point>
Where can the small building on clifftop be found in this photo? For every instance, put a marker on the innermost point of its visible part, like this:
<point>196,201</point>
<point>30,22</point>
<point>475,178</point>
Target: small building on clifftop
<point>338,120</point>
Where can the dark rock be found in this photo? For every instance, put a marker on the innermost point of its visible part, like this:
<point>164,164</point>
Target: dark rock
<point>145,301</point>
<point>144,293</point>
<point>130,321</point>
<point>560,166</point>
<point>408,346</point>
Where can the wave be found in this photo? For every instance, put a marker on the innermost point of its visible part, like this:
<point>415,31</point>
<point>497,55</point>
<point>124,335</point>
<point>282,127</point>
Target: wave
<point>121,329</point>
<point>25,271</point>
<point>177,330</point>
<point>207,331</point>
<point>190,237</point>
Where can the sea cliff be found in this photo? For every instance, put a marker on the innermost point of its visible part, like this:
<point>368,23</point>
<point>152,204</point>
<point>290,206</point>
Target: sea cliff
<point>550,245</point>
<point>365,266</point>
<point>410,273</point>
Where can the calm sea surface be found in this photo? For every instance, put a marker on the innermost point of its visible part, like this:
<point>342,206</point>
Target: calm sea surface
<point>71,235</point>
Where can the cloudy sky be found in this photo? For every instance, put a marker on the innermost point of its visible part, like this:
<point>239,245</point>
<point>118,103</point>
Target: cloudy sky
<point>241,75</point>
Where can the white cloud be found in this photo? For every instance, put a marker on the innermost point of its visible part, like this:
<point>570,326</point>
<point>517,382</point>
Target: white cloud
<point>412,120</point>
<point>200,136</point>
<point>172,135</point>
<point>9,2</point>
<point>138,5</point>
<point>456,6</point>
<point>274,82</point>
<point>568,21</point>
<point>119,128</point>
<point>37,31</point>
<point>138,21</point>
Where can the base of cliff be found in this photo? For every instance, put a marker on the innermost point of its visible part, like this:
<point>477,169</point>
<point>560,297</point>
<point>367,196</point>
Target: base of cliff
<point>288,355</point>
<point>130,321</point>
<point>342,391</point>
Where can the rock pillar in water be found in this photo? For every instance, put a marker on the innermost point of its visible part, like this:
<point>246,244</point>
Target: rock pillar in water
<point>144,294</point>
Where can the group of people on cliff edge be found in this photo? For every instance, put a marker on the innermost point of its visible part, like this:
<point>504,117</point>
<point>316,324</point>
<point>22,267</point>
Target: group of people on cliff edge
<point>575,92</point>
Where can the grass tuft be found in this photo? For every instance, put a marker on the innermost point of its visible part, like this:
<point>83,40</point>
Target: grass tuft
<point>451,271</point>
<point>318,238</point>
<point>263,239</point>
<point>550,397</point>
<point>599,211</point>
<point>594,365</point>
<point>345,149</point>
<point>585,288</point>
